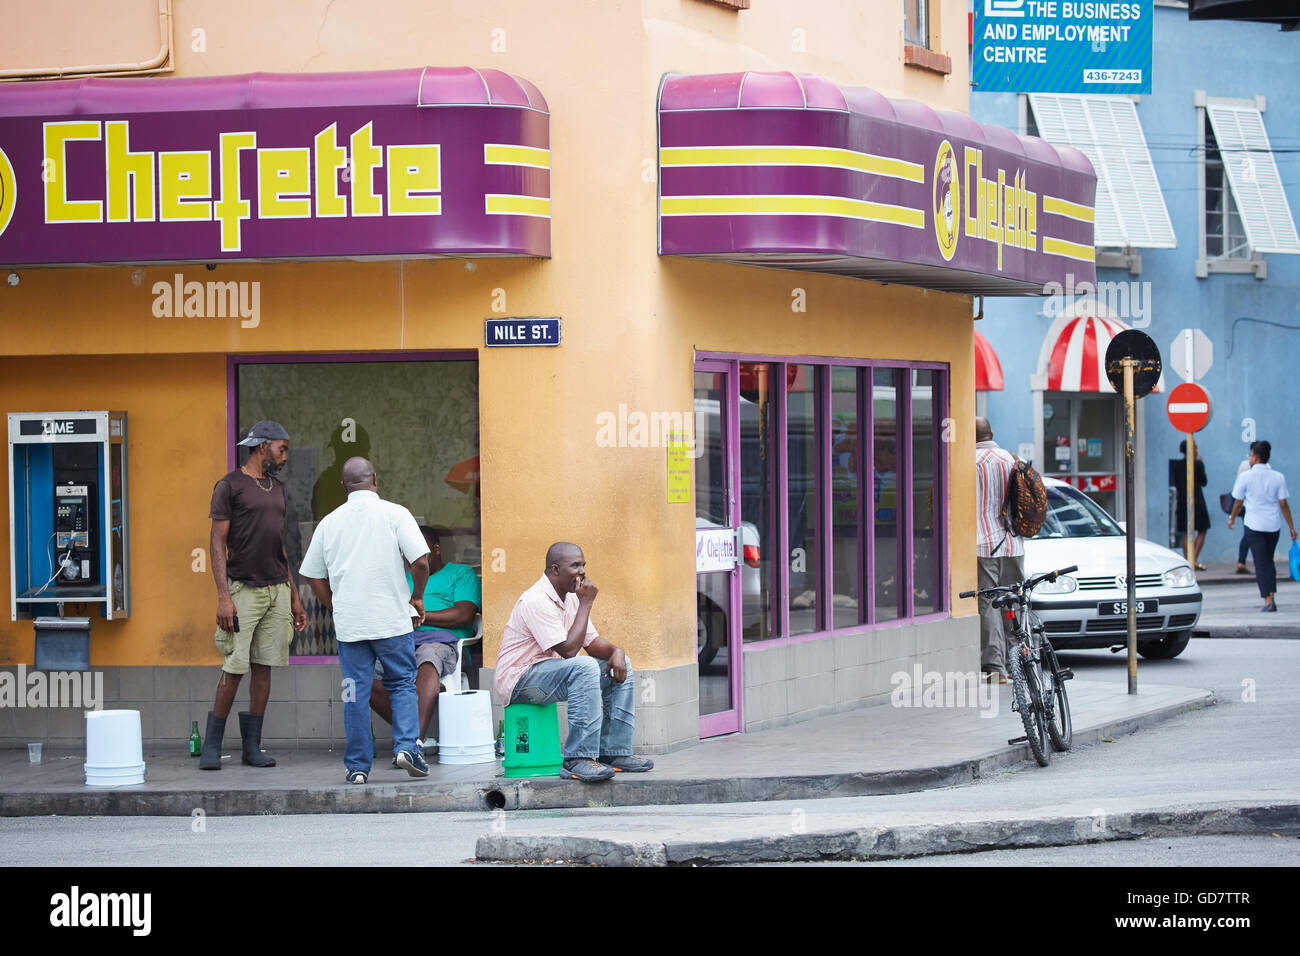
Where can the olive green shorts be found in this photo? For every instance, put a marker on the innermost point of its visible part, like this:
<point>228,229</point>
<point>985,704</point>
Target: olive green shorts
<point>265,628</point>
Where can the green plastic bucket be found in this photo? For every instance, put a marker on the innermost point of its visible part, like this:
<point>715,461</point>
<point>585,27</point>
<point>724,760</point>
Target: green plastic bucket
<point>532,741</point>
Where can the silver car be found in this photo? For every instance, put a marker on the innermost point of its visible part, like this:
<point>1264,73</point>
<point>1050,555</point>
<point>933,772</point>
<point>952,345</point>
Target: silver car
<point>1089,607</point>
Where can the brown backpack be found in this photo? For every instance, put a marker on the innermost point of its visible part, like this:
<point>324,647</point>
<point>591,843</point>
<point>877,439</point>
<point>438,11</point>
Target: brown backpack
<point>1025,507</point>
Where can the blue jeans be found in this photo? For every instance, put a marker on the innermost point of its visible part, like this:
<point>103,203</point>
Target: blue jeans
<point>601,713</point>
<point>357,660</point>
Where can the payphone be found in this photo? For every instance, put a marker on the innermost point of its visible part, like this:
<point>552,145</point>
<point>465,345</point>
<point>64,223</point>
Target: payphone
<point>78,561</point>
<point>68,508</point>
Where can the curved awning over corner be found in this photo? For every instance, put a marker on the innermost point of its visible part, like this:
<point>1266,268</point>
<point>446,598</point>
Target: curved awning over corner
<point>419,162</point>
<point>793,171</point>
<point>988,370</point>
<point>1073,356</point>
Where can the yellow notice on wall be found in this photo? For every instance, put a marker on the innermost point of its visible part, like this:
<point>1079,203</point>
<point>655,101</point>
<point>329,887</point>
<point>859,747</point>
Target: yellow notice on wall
<point>679,468</point>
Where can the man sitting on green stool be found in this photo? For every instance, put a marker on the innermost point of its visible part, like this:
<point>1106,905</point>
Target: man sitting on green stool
<point>452,598</point>
<point>539,664</point>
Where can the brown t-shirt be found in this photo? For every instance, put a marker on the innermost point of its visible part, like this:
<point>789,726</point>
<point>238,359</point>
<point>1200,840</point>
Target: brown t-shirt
<point>256,515</point>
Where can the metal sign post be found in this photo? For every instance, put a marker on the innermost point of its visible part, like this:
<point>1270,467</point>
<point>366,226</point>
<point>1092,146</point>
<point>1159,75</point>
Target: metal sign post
<point>1130,559</point>
<point>1189,524</point>
<point>1133,368</point>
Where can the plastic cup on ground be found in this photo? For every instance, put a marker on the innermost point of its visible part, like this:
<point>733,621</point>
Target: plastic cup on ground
<point>34,753</point>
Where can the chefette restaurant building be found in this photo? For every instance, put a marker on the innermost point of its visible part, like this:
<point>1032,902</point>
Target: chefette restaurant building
<point>677,297</point>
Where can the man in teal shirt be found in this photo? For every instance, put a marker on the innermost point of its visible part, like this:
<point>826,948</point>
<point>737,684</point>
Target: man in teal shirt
<point>452,598</point>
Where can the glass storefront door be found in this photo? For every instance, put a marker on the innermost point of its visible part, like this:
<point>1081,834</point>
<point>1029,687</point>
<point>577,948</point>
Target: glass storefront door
<point>718,548</point>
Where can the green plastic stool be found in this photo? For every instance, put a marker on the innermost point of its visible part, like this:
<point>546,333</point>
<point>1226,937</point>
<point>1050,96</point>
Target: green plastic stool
<point>532,740</point>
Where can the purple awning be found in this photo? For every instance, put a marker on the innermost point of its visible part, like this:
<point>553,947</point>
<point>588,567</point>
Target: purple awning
<point>794,171</point>
<point>391,164</point>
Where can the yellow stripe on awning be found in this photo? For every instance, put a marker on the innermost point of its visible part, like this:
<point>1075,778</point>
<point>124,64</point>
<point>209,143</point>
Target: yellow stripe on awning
<point>1063,207</point>
<point>1070,250</point>
<point>791,206</point>
<point>497,204</point>
<point>826,156</point>
<point>498,154</point>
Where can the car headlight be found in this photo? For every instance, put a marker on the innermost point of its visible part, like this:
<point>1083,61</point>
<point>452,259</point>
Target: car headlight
<point>1064,584</point>
<point>1180,577</point>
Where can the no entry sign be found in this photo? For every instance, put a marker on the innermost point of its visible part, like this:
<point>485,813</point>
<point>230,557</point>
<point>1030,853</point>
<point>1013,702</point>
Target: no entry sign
<point>1189,407</point>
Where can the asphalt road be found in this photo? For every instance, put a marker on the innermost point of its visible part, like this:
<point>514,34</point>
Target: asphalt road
<point>1240,748</point>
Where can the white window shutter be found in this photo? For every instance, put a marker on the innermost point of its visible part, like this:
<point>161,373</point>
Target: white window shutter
<point>1130,206</point>
<point>1253,176</point>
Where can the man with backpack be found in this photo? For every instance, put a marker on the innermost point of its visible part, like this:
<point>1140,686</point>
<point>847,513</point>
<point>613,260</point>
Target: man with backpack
<point>1000,552</point>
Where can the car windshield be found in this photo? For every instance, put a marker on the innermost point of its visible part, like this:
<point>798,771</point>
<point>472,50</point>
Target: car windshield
<point>1071,514</point>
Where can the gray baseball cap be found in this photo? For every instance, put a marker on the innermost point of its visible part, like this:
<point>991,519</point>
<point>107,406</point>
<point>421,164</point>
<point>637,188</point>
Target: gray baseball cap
<point>265,430</point>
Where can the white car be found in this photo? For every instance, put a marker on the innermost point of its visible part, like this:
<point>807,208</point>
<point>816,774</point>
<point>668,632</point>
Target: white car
<point>1088,608</point>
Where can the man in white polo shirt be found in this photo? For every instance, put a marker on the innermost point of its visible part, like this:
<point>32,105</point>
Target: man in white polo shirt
<point>354,567</point>
<point>1264,493</point>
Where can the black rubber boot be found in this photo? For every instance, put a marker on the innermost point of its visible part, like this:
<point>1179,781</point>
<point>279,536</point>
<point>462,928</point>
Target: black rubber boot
<point>250,728</point>
<point>210,755</point>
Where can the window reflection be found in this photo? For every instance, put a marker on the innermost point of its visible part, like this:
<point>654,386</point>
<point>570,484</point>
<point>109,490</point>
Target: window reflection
<point>803,423</point>
<point>758,505</point>
<point>887,515</point>
<point>925,577</point>
<point>848,608</point>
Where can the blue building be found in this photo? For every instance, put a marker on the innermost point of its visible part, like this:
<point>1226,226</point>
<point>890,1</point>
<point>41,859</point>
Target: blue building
<point>1195,229</point>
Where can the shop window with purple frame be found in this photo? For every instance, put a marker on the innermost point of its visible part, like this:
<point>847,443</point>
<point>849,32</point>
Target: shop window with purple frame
<point>804,426</point>
<point>927,574</point>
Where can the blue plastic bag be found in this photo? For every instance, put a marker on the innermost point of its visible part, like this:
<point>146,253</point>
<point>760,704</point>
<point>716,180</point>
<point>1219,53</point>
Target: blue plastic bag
<point>1294,555</point>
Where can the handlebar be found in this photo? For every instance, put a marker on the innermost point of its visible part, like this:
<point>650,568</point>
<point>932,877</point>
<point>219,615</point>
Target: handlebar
<point>1023,586</point>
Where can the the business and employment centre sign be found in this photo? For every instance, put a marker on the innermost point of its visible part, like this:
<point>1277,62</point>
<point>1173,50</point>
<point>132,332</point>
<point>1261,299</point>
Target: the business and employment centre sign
<point>1062,46</point>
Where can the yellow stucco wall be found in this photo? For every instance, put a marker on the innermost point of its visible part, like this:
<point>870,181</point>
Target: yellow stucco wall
<point>630,319</point>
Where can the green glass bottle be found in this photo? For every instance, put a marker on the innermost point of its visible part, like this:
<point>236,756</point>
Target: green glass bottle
<point>196,742</point>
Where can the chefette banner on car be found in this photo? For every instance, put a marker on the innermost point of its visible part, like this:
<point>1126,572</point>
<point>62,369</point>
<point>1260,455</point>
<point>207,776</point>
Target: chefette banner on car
<point>400,163</point>
<point>794,171</point>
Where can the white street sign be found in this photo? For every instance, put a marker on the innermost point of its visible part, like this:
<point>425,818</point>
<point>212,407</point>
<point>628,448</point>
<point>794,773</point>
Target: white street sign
<point>1190,354</point>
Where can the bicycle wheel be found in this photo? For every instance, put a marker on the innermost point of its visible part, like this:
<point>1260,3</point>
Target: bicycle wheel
<point>1025,688</point>
<point>1060,729</point>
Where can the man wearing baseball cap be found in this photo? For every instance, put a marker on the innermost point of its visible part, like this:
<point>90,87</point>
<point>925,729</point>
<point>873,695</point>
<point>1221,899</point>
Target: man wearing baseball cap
<point>258,607</point>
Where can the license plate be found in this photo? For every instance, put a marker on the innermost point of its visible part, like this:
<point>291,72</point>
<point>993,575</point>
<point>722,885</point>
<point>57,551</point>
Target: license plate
<point>1144,606</point>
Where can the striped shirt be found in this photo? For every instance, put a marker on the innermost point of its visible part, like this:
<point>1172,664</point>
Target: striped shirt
<point>992,469</point>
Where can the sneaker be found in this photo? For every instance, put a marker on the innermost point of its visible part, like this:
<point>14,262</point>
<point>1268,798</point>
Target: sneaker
<point>629,763</point>
<point>413,763</point>
<point>356,776</point>
<point>586,770</point>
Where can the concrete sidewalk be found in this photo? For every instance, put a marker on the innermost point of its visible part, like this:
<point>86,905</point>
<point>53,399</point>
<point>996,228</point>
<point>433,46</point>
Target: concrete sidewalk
<point>1231,606</point>
<point>874,750</point>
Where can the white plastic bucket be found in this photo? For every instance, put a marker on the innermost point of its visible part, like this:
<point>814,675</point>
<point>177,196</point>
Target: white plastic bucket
<point>465,727</point>
<point>114,750</point>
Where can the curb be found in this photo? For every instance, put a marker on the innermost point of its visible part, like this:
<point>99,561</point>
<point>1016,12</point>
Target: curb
<point>548,793</point>
<point>1282,632</point>
<point>887,843</point>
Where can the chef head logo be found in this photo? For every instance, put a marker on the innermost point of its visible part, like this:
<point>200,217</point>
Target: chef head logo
<point>947,199</point>
<point>8,191</point>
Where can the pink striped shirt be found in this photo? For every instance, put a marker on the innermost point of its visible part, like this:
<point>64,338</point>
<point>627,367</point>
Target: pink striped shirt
<point>992,469</point>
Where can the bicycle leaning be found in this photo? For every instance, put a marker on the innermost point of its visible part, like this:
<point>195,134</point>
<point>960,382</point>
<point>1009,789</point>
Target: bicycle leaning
<point>1037,677</point>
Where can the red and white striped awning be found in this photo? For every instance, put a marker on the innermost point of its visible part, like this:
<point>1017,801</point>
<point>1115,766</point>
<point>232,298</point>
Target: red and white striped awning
<point>1073,358</point>
<point>988,370</point>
